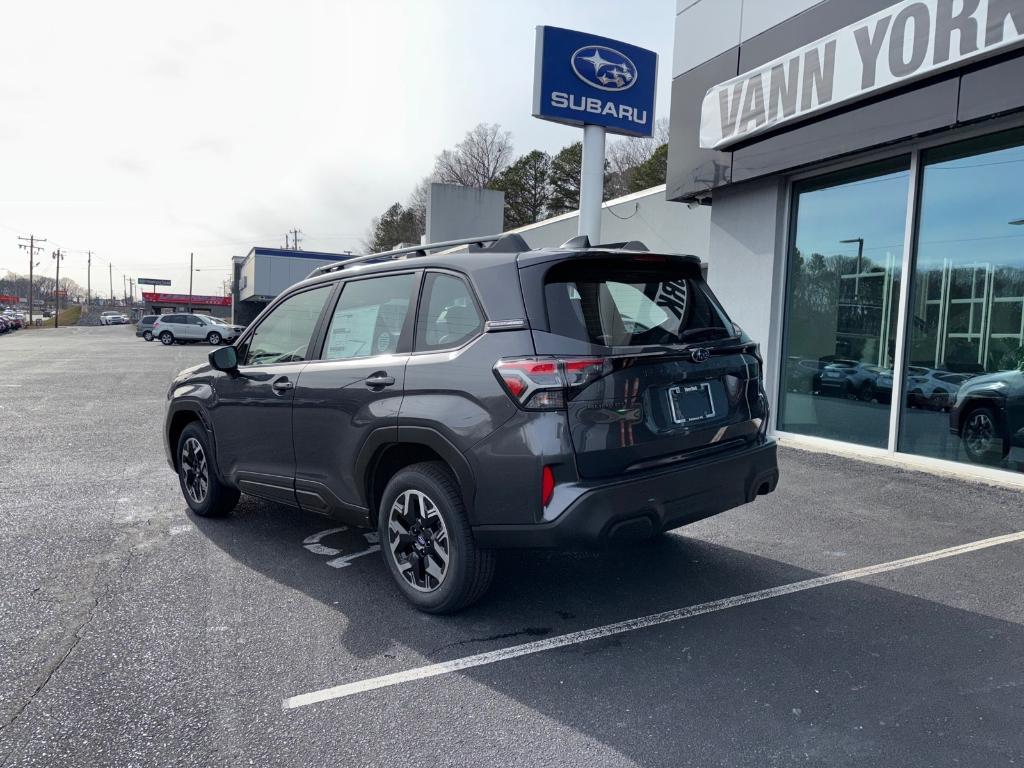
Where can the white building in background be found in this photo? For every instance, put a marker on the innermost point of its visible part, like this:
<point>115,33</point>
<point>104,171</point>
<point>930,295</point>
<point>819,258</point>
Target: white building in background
<point>646,216</point>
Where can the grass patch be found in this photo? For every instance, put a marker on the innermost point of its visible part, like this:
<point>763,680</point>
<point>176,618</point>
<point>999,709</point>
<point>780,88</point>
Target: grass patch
<point>69,316</point>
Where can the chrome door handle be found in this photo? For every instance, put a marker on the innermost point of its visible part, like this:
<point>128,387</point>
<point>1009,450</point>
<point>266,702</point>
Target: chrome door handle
<point>380,379</point>
<point>282,385</point>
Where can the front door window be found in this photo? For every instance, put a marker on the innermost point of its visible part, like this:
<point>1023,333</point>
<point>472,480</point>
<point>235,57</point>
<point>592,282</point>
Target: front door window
<point>285,334</point>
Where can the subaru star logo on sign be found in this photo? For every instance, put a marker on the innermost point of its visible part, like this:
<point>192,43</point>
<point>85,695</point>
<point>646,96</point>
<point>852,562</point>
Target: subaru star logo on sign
<point>604,68</point>
<point>583,79</point>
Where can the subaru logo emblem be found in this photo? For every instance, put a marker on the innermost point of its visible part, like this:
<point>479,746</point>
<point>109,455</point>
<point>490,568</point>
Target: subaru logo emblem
<point>604,68</point>
<point>700,355</point>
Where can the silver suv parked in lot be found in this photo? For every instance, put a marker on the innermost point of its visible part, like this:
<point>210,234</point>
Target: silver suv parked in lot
<point>184,328</point>
<point>464,402</point>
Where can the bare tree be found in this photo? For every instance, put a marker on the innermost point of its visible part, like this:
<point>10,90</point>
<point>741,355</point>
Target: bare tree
<point>629,153</point>
<point>418,202</point>
<point>478,159</point>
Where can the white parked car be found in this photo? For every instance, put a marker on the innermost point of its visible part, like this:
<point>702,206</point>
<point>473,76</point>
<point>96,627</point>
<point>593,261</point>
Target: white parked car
<point>114,318</point>
<point>184,328</point>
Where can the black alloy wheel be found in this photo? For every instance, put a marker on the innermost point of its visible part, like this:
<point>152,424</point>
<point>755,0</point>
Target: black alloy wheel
<point>204,492</point>
<point>427,543</point>
<point>981,436</point>
<point>418,539</point>
<point>195,471</point>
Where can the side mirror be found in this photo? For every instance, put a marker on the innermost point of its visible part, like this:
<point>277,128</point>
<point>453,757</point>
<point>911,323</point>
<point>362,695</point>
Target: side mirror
<point>224,359</point>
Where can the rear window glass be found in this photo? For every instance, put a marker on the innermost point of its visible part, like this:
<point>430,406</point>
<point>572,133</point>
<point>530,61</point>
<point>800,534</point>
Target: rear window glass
<point>623,305</point>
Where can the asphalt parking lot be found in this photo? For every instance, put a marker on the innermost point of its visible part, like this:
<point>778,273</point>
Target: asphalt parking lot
<point>132,634</point>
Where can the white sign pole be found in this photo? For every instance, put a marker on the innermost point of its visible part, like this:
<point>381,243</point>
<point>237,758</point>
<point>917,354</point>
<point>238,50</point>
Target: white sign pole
<point>592,183</point>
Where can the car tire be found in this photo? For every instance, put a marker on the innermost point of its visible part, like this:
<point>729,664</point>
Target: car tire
<point>147,335</point>
<point>214,338</point>
<point>981,436</point>
<point>867,392</point>
<point>166,338</point>
<point>204,493</point>
<point>427,543</point>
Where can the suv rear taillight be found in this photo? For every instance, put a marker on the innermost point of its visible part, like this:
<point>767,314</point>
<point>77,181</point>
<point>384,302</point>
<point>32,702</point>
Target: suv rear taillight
<point>546,383</point>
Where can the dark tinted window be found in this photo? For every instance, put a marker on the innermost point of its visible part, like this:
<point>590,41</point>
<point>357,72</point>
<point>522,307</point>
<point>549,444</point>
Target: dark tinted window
<point>369,317</point>
<point>622,304</point>
<point>448,315</point>
<point>171,319</point>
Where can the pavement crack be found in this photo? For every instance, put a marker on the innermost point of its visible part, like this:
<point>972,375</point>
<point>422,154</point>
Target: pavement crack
<point>74,637</point>
<point>527,631</point>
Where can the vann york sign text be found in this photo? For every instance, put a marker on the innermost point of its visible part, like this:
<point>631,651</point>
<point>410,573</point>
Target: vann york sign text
<point>910,40</point>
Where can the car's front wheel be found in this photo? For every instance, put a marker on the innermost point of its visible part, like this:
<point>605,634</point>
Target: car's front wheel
<point>213,338</point>
<point>166,338</point>
<point>981,436</point>
<point>205,494</point>
<point>427,543</point>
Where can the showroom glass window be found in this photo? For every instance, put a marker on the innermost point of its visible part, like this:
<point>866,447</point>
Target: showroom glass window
<point>966,322</point>
<point>842,303</point>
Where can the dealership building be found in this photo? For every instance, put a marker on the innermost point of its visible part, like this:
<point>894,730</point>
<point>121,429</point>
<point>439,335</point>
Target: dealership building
<point>263,273</point>
<point>864,167</point>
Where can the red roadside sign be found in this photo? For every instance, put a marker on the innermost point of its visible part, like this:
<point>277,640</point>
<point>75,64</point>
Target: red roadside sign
<point>183,298</point>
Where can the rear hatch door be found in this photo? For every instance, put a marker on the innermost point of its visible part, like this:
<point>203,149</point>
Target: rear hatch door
<point>680,380</point>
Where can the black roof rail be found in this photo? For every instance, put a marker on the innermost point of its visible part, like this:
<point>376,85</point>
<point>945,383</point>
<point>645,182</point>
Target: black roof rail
<point>498,243</point>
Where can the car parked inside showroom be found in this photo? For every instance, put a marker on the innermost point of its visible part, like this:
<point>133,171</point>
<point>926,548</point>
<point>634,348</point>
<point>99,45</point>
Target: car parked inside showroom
<point>988,417</point>
<point>933,389</point>
<point>863,381</point>
<point>460,403</point>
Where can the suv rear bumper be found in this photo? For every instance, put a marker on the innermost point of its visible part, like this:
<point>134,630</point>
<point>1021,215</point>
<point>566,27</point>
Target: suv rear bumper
<point>640,507</point>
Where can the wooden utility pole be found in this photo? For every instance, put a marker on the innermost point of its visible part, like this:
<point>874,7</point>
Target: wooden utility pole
<point>191,259</point>
<point>295,239</point>
<point>31,248</point>
<point>58,257</point>
<point>110,271</point>
<point>88,281</point>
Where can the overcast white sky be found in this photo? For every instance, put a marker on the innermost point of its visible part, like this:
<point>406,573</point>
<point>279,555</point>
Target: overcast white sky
<point>144,131</point>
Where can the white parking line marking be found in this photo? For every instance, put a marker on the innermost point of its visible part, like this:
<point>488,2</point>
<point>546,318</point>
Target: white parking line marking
<point>630,625</point>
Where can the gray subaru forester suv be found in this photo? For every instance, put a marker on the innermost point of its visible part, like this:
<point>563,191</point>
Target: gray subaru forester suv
<point>463,402</point>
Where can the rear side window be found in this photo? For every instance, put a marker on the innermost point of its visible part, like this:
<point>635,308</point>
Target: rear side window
<point>623,304</point>
<point>448,315</point>
<point>369,317</point>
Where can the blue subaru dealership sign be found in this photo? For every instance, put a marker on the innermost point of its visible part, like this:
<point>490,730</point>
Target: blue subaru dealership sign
<point>582,79</point>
